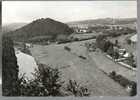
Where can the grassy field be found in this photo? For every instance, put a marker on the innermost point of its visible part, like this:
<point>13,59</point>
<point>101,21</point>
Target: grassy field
<point>85,71</point>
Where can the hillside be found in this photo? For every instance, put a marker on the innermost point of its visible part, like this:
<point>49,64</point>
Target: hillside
<point>40,27</point>
<point>104,21</point>
<point>11,27</point>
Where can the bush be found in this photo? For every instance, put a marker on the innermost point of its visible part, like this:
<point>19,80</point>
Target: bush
<point>128,41</point>
<point>113,74</point>
<point>67,48</point>
<point>46,82</point>
<point>82,57</point>
<point>76,89</point>
<point>102,43</point>
<point>134,89</point>
<point>124,82</point>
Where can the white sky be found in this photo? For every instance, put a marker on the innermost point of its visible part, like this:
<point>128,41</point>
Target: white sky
<point>65,11</point>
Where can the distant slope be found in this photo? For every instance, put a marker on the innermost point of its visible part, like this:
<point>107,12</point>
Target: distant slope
<point>104,21</point>
<point>11,27</point>
<point>40,27</point>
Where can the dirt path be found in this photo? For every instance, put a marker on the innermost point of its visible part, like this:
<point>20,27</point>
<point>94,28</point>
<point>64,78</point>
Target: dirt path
<point>83,71</point>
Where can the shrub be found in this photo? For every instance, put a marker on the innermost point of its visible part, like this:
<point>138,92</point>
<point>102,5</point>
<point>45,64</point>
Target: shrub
<point>134,89</point>
<point>46,82</point>
<point>124,82</point>
<point>77,89</point>
<point>82,57</point>
<point>103,43</point>
<point>128,41</point>
<point>112,74</point>
<point>67,48</point>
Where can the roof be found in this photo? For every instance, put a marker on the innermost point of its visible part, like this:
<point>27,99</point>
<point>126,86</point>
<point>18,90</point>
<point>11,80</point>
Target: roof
<point>134,38</point>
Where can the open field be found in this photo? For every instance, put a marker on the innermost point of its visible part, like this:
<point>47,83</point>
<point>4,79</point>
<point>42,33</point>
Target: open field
<point>85,71</point>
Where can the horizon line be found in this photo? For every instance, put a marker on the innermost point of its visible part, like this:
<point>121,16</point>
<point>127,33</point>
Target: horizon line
<point>71,21</point>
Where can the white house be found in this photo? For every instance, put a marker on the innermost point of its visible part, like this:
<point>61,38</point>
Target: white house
<point>134,38</point>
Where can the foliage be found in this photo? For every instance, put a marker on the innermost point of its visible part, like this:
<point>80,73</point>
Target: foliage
<point>9,68</point>
<point>40,27</point>
<point>131,59</point>
<point>81,56</point>
<point>46,82</point>
<point>116,32</point>
<point>134,89</point>
<point>67,48</point>
<point>77,89</point>
<point>116,42</point>
<point>100,41</point>
<point>124,82</point>
<point>115,55</point>
<point>128,41</point>
<point>110,51</point>
<point>107,45</point>
<point>104,44</point>
<point>98,28</point>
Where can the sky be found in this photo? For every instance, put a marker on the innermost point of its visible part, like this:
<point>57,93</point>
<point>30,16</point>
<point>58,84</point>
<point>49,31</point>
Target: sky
<point>66,11</point>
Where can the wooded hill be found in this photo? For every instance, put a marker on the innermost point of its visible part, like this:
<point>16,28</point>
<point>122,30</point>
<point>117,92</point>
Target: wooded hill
<point>45,27</point>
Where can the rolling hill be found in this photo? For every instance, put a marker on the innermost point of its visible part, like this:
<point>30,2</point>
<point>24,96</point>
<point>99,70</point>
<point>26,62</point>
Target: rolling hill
<point>104,21</point>
<point>39,28</point>
<point>11,27</point>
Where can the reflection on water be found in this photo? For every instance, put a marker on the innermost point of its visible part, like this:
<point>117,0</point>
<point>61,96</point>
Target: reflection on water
<point>26,64</point>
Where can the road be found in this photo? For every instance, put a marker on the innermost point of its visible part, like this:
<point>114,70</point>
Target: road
<point>84,71</point>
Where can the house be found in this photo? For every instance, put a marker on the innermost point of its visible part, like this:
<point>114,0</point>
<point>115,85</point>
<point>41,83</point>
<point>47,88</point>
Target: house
<point>134,40</point>
<point>28,45</point>
<point>82,30</point>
